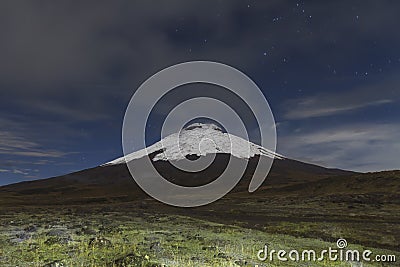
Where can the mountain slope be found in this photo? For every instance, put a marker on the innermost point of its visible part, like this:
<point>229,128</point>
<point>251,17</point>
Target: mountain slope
<point>112,181</point>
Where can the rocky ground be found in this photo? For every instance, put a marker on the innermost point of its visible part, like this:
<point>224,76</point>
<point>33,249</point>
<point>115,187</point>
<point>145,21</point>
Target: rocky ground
<point>151,234</point>
<point>363,209</point>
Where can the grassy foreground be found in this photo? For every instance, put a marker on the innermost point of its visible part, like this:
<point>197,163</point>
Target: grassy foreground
<point>55,237</point>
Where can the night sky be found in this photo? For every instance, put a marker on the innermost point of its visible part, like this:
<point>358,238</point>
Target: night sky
<point>329,69</point>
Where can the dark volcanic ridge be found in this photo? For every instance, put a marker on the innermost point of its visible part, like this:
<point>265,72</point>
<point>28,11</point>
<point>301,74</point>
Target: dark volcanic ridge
<point>112,182</point>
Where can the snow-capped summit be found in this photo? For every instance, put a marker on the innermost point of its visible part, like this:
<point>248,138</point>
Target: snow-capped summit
<point>202,126</point>
<point>199,139</point>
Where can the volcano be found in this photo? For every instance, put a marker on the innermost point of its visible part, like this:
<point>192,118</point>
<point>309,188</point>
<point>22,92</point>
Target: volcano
<point>198,139</point>
<point>199,142</point>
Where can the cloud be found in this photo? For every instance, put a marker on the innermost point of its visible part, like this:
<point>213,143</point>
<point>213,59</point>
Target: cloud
<point>359,147</point>
<point>313,107</point>
<point>75,64</point>
<point>18,140</point>
<point>72,111</point>
<point>15,171</point>
<point>18,162</point>
<point>37,153</point>
<point>336,102</point>
<point>124,40</point>
<point>68,65</point>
